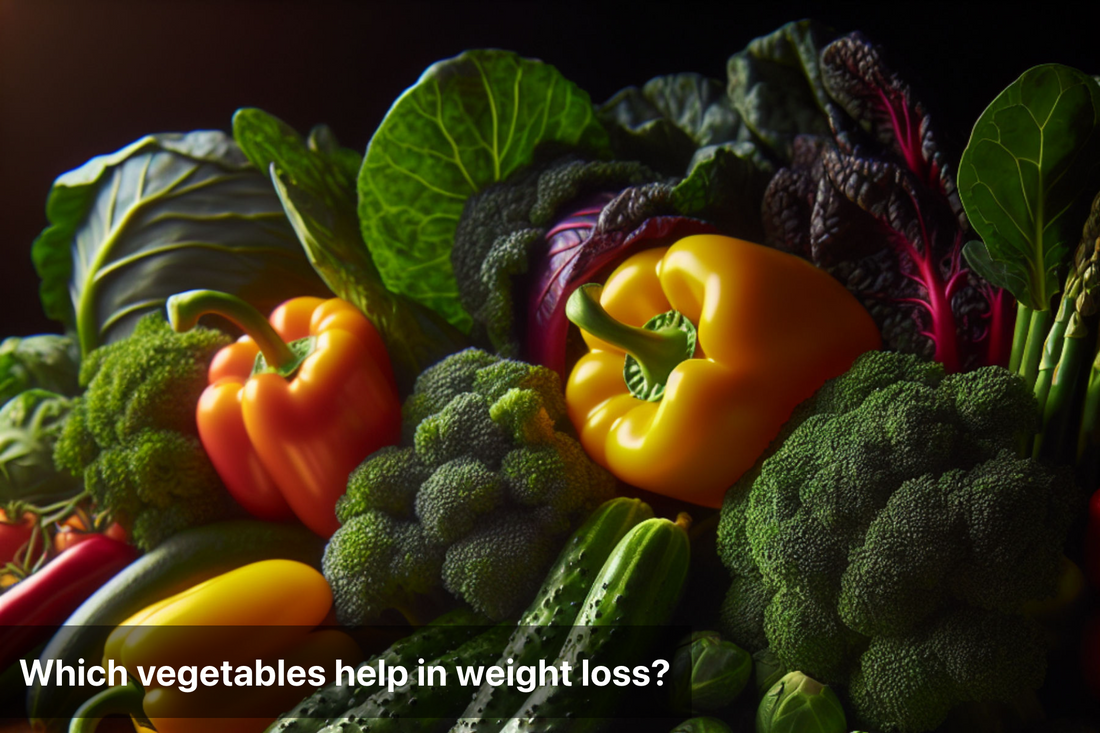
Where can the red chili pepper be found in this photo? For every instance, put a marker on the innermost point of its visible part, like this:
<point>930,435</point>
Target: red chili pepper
<point>32,607</point>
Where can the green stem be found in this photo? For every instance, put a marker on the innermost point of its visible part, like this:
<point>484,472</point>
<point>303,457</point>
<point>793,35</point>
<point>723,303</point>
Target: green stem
<point>1052,353</point>
<point>185,309</point>
<point>657,352</point>
<point>1019,336</point>
<point>122,700</point>
<point>1052,441</point>
<point>1033,349</point>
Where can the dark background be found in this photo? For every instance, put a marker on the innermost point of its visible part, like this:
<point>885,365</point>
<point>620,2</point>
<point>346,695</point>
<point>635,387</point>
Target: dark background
<point>84,77</point>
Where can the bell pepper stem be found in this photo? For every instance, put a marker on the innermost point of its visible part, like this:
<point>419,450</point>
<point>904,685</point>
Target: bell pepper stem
<point>185,309</point>
<point>657,352</point>
<point>120,700</point>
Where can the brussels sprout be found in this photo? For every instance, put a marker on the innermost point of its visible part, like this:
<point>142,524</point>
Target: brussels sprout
<point>799,704</point>
<point>767,670</point>
<point>702,725</point>
<point>708,672</point>
<point>29,426</point>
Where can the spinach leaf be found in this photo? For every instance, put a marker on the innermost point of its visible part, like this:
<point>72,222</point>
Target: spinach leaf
<point>1033,156</point>
<point>315,180</point>
<point>168,213</point>
<point>468,122</point>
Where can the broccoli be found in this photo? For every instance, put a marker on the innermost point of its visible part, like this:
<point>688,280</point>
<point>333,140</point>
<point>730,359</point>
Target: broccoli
<point>132,435</point>
<point>890,538</point>
<point>477,500</point>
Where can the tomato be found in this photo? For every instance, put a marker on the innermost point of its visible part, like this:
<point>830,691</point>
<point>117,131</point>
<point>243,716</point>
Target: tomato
<point>13,537</point>
<point>73,531</point>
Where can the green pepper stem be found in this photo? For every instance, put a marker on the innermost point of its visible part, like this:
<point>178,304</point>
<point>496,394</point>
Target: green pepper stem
<point>657,352</point>
<point>185,309</point>
<point>120,700</point>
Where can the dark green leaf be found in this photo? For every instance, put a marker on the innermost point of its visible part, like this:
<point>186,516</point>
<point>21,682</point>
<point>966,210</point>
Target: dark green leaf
<point>1032,159</point>
<point>30,424</point>
<point>468,122</point>
<point>168,213</point>
<point>315,181</point>
<point>726,187</point>
<point>1003,275</point>
<point>47,361</point>
<point>663,123</point>
<point>775,84</point>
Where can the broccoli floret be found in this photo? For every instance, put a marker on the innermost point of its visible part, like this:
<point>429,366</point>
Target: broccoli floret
<point>890,520</point>
<point>476,501</point>
<point>132,435</point>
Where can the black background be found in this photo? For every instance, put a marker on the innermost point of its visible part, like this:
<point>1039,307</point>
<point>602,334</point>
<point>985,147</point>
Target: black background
<point>84,77</point>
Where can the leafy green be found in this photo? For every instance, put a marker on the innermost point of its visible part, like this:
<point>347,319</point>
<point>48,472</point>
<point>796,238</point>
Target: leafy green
<point>664,122</point>
<point>776,85</point>
<point>726,187</point>
<point>315,179</point>
<point>168,213</point>
<point>468,122</point>
<point>29,426</point>
<point>1032,157</point>
<point>48,361</point>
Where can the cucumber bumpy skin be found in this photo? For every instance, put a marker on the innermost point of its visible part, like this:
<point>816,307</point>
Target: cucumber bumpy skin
<point>178,563</point>
<point>331,702</point>
<point>543,628</point>
<point>433,707</point>
<point>636,590</point>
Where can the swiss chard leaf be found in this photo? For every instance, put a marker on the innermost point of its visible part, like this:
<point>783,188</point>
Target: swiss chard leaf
<point>1032,157</point>
<point>468,122</point>
<point>168,213</point>
<point>315,180</point>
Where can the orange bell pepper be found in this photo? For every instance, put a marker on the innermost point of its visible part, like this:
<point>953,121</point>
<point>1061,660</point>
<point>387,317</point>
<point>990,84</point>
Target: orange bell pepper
<point>294,405</point>
<point>698,354</point>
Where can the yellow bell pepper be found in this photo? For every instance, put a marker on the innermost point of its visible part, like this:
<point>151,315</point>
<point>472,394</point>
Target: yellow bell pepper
<point>724,339</point>
<point>254,616</point>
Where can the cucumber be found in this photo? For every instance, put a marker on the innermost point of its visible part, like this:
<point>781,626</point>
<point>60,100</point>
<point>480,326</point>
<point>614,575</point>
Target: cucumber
<point>636,590</point>
<point>180,562</point>
<point>434,707</point>
<point>332,701</point>
<point>542,629</point>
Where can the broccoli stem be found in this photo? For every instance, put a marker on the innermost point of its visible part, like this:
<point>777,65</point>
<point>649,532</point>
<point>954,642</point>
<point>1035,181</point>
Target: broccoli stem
<point>185,309</point>
<point>1037,330</point>
<point>657,350</point>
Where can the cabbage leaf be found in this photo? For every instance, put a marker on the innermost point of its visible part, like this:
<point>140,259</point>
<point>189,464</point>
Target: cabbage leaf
<point>468,122</point>
<point>168,213</point>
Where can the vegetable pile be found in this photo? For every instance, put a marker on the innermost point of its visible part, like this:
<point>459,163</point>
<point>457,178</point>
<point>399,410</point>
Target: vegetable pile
<point>748,376</point>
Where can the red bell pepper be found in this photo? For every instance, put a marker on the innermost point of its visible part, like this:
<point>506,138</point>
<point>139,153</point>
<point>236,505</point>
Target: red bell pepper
<point>32,607</point>
<point>285,430</point>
